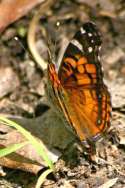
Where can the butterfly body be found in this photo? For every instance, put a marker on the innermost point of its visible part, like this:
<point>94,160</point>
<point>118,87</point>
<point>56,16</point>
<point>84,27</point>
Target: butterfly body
<point>78,90</point>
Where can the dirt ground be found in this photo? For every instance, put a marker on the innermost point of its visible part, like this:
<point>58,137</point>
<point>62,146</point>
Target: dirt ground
<point>22,90</point>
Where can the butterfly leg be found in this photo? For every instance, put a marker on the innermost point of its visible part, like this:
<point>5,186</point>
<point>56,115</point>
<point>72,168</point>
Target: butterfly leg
<point>89,148</point>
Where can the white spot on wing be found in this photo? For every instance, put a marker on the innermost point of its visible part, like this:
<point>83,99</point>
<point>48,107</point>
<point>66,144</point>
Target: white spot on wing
<point>92,41</point>
<point>77,44</point>
<point>90,34</point>
<point>98,57</point>
<point>102,69</point>
<point>99,48</point>
<point>90,49</point>
<point>82,30</point>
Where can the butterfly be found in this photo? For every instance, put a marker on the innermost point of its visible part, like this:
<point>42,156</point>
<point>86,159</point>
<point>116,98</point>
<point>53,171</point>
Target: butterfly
<point>77,90</point>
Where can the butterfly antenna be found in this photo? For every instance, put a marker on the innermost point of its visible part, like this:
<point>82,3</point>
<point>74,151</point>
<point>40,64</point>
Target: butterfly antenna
<point>21,44</point>
<point>52,46</point>
<point>51,49</point>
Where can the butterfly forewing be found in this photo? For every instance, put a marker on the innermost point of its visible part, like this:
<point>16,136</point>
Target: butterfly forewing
<point>81,57</point>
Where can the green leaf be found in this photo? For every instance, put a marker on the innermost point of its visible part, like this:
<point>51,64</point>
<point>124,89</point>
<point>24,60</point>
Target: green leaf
<point>11,148</point>
<point>42,178</point>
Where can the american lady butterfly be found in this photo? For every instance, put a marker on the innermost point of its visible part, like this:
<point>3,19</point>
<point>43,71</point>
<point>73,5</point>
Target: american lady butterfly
<point>78,91</point>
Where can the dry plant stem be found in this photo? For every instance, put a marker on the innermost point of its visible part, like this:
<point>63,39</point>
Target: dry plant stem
<point>31,34</point>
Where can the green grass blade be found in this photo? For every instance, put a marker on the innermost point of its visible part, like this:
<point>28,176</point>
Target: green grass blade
<point>11,148</point>
<point>42,178</point>
<point>38,146</point>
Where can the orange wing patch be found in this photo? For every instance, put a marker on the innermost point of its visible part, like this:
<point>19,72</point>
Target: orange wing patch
<point>90,68</point>
<point>84,113</point>
<point>77,72</point>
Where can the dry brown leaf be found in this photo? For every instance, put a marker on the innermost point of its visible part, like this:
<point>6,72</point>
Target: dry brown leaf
<point>11,10</point>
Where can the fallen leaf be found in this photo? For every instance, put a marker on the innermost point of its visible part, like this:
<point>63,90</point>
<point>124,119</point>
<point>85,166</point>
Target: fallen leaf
<point>48,129</point>
<point>12,10</point>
